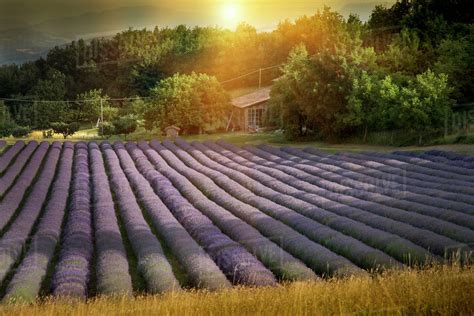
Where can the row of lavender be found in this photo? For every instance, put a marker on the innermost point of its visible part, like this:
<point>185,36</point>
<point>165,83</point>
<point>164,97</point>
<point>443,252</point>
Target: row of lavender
<point>423,237</point>
<point>247,215</point>
<point>402,219</point>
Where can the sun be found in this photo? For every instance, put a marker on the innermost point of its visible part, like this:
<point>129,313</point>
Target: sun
<point>230,12</point>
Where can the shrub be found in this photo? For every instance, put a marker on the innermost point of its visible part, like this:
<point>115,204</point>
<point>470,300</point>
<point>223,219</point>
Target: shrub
<point>65,129</point>
<point>15,238</point>
<point>48,133</point>
<point>72,273</point>
<point>317,211</point>
<point>200,268</point>
<point>112,265</point>
<point>262,197</point>
<point>295,243</point>
<point>30,274</point>
<point>125,125</point>
<point>21,131</point>
<point>232,258</point>
<point>14,170</point>
<point>7,128</point>
<point>106,130</point>
<point>313,175</point>
<point>11,153</point>
<point>152,262</point>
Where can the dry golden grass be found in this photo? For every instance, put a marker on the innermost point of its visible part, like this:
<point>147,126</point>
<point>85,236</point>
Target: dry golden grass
<point>434,291</point>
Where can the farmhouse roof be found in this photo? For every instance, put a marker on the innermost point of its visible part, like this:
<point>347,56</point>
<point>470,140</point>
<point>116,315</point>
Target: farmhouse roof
<point>257,97</point>
<point>172,127</point>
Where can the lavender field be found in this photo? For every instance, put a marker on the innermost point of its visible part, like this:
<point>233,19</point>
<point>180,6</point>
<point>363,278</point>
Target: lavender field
<point>87,219</point>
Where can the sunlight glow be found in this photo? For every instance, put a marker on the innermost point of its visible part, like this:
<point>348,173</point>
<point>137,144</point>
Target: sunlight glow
<point>230,12</point>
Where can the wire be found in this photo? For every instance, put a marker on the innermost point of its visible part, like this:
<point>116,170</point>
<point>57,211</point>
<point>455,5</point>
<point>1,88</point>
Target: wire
<point>250,73</point>
<point>74,101</point>
<point>130,98</point>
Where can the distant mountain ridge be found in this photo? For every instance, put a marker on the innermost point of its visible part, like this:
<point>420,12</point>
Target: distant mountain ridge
<point>364,10</point>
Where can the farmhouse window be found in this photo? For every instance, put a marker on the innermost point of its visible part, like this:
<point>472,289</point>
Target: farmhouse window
<point>255,117</point>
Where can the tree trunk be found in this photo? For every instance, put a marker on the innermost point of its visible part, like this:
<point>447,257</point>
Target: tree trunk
<point>366,131</point>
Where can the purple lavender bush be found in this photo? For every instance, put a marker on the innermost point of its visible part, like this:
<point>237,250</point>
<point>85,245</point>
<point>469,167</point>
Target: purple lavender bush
<point>200,269</point>
<point>434,242</point>
<point>360,172</point>
<point>451,230</point>
<point>14,170</point>
<point>112,267</point>
<point>430,167</point>
<point>7,157</point>
<point>451,155</point>
<point>72,272</point>
<point>26,282</point>
<point>373,199</point>
<point>418,171</point>
<point>374,165</point>
<point>12,200</point>
<point>250,191</point>
<point>233,259</point>
<point>13,241</point>
<point>429,155</point>
<point>326,262</point>
<point>152,262</point>
<point>372,235</point>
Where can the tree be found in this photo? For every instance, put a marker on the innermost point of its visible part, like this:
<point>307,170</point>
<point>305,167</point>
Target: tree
<point>196,103</point>
<point>385,18</point>
<point>395,59</point>
<point>125,125</point>
<point>49,108</point>
<point>285,103</point>
<point>5,116</point>
<point>363,104</point>
<point>311,95</point>
<point>425,103</point>
<point>417,105</point>
<point>88,106</point>
<point>456,59</point>
<point>65,129</point>
<point>136,107</point>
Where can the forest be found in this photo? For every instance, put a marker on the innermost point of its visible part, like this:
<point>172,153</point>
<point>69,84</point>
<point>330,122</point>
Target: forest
<point>408,68</point>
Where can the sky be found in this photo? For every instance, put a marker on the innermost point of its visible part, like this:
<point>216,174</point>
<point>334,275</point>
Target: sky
<point>29,28</point>
<point>215,12</point>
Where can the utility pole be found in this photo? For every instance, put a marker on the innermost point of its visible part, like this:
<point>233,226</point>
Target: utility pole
<point>260,79</point>
<point>102,116</point>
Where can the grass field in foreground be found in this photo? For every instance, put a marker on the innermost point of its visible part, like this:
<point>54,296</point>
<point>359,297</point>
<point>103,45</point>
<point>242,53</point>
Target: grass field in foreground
<point>434,291</point>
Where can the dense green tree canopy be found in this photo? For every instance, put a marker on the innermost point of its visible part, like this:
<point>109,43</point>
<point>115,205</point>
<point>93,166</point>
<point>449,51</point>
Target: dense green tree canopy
<point>340,76</point>
<point>196,103</point>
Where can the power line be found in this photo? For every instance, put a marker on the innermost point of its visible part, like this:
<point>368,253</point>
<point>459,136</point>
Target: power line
<point>74,101</point>
<point>129,98</point>
<point>250,73</point>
